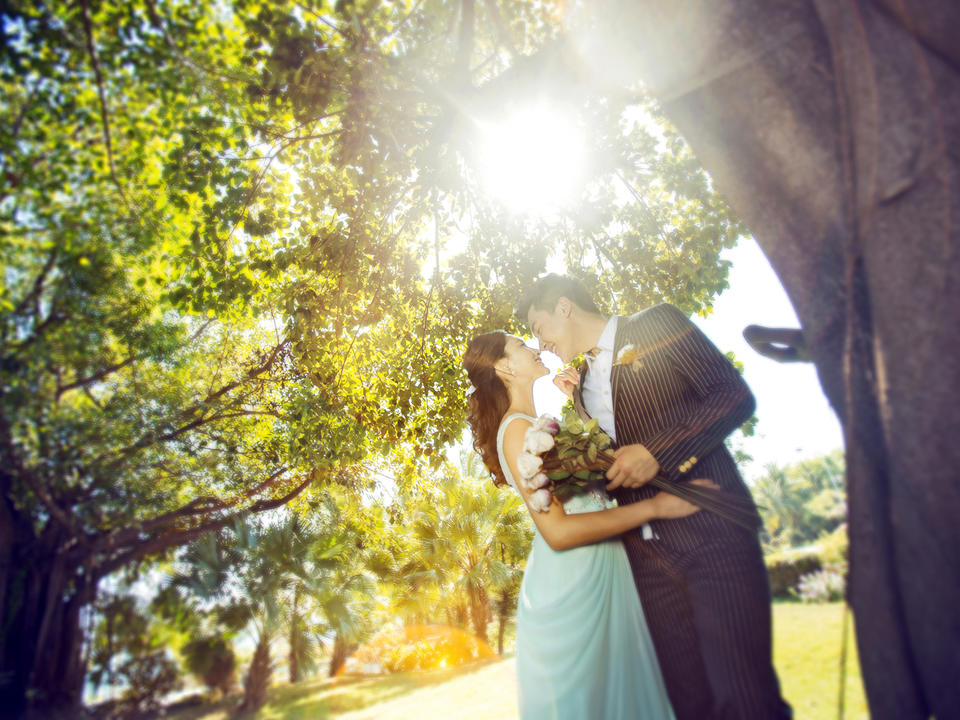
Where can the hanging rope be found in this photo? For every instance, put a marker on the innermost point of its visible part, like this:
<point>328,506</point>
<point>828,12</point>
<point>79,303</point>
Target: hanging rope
<point>843,663</point>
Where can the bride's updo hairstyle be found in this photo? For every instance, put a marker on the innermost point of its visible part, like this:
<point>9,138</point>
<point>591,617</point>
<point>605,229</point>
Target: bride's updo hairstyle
<point>488,403</point>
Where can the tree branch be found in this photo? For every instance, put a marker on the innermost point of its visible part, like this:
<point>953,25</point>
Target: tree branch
<point>160,25</point>
<point>37,288</point>
<point>465,49</point>
<point>197,506</point>
<point>163,542</point>
<point>780,344</point>
<point>502,29</point>
<point>104,114</point>
<point>14,466</point>
<point>14,134</point>
<point>96,377</point>
<point>154,436</point>
<point>52,318</point>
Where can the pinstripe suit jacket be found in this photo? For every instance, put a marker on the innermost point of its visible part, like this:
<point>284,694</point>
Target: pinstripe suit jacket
<point>677,395</point>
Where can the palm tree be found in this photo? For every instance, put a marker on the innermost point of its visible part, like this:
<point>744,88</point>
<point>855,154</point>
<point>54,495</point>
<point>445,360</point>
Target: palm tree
<point>781,505</point>
<point>464,525</point>
<point>289,548</point>
<point>228,568</point>
<point>798,503</point>
<point>326,586</point>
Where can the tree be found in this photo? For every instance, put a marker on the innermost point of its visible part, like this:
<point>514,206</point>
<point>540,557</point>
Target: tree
<point>225,230</point>
<point>295,576</point>
<point>139,403</point>
<point>803,501</point>
<point>514,547</point>
<point>127,650</point>
<point>324,578</point>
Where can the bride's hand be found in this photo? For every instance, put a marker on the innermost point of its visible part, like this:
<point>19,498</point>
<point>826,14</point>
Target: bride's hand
<point>567,379</point>
<point>671,507</point>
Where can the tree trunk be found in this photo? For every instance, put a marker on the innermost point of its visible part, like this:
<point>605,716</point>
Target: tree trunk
<point>479,611</point>
<point>831,126</point>
<point>257,682</point>
<point>41,664</point>
<point>462,615</point>
<point>503,616</point>
<point>341,651</point>
<point>293,662</point>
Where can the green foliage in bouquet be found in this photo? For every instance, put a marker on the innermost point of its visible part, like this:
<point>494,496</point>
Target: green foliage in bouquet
<point>580,457</point>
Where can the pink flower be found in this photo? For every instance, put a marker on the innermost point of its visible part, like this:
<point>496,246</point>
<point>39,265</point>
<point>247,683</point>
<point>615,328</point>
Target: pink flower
<point>540,500</point>
<point>547,423</point>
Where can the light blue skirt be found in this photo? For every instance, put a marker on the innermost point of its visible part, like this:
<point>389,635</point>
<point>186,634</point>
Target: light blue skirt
<point>583,648</point>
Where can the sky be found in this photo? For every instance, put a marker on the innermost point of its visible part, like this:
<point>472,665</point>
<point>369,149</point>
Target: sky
<point>794,419</point>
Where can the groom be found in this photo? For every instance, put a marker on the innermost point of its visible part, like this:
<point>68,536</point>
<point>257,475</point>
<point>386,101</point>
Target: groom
<point>668,398</point>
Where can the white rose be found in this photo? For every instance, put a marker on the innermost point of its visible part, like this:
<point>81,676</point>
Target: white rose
<point>528,464</point>
<point>540,500</point>
<point>537,441</point>
<point>537,481</point>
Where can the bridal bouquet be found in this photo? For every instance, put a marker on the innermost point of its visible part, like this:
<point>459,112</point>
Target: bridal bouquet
<point>561,458</point>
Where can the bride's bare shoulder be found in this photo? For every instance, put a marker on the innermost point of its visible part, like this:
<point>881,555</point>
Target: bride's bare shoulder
<point>515,429</point>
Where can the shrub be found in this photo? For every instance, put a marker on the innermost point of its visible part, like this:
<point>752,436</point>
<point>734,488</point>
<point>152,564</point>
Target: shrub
<point>786,568</point>
<point>148,677</point>
<point>834,547</point>
<point>826,585</point>
<point>212,661</point>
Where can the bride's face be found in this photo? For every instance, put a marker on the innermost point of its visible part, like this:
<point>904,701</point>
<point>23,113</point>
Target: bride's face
<point>524,361</point>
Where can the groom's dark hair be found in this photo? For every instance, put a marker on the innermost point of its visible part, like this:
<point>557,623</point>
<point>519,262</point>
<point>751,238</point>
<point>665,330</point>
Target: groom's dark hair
<point>545,291</point>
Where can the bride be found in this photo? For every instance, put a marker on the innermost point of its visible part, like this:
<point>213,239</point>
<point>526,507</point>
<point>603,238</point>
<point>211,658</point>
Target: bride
<point>583,649</point>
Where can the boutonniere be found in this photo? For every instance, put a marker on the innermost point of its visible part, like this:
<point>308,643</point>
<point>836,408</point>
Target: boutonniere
<point>628,355</point>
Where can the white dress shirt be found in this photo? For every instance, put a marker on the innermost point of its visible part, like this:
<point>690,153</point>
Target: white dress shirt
<point>597,392</point>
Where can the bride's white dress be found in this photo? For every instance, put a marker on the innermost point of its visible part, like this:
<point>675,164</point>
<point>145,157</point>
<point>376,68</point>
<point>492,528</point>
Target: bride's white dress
<point>583,648</point>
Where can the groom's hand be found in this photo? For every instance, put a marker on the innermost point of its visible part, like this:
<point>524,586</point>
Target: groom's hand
<point>567,379</point>
<point>633,465</point>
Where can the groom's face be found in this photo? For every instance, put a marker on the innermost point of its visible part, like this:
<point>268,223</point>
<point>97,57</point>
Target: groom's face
<point>553,329</point>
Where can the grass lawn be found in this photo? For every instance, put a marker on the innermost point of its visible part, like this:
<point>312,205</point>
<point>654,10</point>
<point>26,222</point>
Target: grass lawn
<point>807,641</point>
<point>806,652</point>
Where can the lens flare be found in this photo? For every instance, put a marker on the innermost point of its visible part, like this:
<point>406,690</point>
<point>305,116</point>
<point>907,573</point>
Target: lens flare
<point>532,160</point>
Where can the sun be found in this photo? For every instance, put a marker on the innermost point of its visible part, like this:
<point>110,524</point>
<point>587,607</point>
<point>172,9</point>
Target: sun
<point>532,160</point>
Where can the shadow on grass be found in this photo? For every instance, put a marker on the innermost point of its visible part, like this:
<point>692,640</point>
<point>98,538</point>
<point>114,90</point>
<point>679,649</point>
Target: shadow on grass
<point>325,697</point>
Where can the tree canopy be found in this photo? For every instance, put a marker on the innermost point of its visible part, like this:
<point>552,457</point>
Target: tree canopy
<point>244,245</point>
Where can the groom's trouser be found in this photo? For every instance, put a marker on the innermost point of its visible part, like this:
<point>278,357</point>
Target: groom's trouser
<point>706,598</point>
